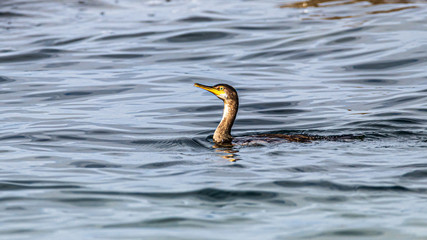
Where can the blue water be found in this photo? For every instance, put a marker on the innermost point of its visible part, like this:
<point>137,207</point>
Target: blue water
<point>103,135</point>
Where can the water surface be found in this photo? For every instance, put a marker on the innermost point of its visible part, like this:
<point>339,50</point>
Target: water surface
<point>105,137</point>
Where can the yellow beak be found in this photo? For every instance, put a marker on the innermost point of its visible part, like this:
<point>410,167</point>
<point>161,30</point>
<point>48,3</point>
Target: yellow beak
<point>210,89</point>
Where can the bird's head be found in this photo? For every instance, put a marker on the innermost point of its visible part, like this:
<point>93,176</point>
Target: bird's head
<point>222,91</point>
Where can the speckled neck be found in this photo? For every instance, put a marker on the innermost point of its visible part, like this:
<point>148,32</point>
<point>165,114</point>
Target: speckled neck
<point>223,131</point>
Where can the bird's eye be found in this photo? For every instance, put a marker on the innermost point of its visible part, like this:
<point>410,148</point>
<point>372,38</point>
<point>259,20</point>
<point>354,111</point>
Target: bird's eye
<point>221,88</point>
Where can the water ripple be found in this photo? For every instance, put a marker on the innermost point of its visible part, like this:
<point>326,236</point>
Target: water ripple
<point>198,36</point>
<point>25,185</point>
<point>381,65</point>
<point>416,174</point>
<point>343,187</point>
<point>24,57</point>
<point>205,194</point>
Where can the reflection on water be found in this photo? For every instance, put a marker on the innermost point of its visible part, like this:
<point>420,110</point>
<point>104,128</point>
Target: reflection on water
<point>373,12</point>
<point>394,6</point>
<point>229,153</point>
<point>331,3</point>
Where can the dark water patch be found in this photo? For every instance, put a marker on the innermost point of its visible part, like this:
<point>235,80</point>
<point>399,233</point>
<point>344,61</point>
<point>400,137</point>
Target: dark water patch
<point>93,164</point>
<point>356,166</point>
<point>87,201</point>
<point>4,80</point>
<point>307,169</point>
<point>256,122</point>
<point>6,50</point>
<point>70,137</point>
<point>61,64</point>
<point>147,49</point>
<point>157,165</point>
<point>24,57</point>
<point>205,194</point>
<point>373,82</point>
<point>120,55</point>
<point>168,222</point>
<point>34,184</point>
<point>68,41</point>
<point>416,165</point>
<point>316,53</point>
<point>356,55</point>
<point>19,231</point>
<point>45,41</point>
<point>271,53</point>
<point>10,14</point>
<point>383,65</point>
<point>190,59</point>
<point>407,121</point>
<point>13,137</point>
<point>251,65</point>
<point>106,131</point>
<point>282,111</point>
<point>250,43</point>
<point>128,35</point>
<point>235,165</point>
<point>6,92</point>
<point>343,40</point>
<point>40,138</point>
<point>283,203</point>
<point>211,194</point>
<point>349,30</point>
<point>199,19</point>
<point>416,174</point>
<point>53,51</point>
<point>261,27</point>
<point>353,215</point>
<point>267,105</point>
<point>347,188</point>
<point>67,95</point>
<point>99,4</point>
<point>7,199</point>
<point>353,233</point>
<point>328,199</point>
<point>198,36</point>
<point>196,109</point>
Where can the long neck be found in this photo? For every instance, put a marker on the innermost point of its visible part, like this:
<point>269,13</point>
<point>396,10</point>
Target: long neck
<point>223,131</point>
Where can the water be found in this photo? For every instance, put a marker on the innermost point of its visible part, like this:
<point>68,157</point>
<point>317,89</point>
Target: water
<point>105,137</point>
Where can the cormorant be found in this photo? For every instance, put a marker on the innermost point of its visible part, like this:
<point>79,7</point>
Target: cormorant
<point>222,135</point>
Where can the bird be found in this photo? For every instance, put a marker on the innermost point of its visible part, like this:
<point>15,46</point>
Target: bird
<point>222,135</point>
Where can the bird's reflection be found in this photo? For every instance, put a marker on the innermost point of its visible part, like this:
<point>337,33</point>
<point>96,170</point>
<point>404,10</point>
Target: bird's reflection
<point>227,152</point>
